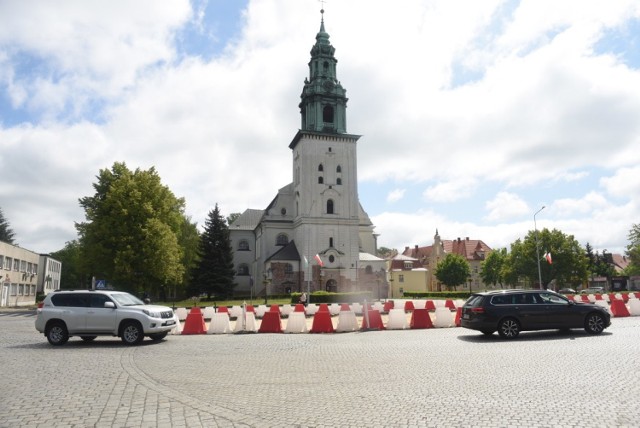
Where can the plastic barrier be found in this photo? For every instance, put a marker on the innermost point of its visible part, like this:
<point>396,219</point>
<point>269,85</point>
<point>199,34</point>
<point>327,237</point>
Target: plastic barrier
<point>219,323</point>
<point>430,306</point>
<point>397,320</point>
<point>274,308</point>
<point>619,309</point>
<point>345,307</point>
<point>299,308</point>
<point>388,305</point>
<point>181,313</point>
<point>194,324</point>
<point>296,323</point>
<point>178,327</point>
<point>223,309</point>
<point>449,304</point>
<point>249,325</point>
<point>323,307</point>
<point>634,307</point>
<point>458,316</point>
<point>271,323</point>
<point>420,318</point>
<point>374,322</point>
<point>408,306</point>
<point>443,317</point>
<point>322,322</point>
<point>347,321</point>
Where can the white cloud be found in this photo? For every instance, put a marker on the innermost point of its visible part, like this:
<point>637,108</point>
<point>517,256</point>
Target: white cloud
<point>506,206</point>
<point>395,195</point>
<point>450,191</point>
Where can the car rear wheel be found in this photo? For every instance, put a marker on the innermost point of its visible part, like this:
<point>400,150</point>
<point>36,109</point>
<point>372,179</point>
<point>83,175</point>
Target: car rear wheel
<point>58,334</point>
<point>594,323</point>
<point>132,333</point>
<point>509,328</point>
<point>158,336</point>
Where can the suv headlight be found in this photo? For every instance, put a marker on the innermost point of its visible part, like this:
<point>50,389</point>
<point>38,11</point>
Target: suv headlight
<point>152,314</point>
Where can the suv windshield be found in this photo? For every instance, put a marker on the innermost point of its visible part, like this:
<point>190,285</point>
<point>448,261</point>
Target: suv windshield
<point>126,299</point>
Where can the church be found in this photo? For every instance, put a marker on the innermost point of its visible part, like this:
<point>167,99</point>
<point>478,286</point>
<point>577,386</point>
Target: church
<point>314,235</point>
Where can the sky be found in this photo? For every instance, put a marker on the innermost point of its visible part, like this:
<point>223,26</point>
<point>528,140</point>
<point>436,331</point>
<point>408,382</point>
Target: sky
<point>473,115</point>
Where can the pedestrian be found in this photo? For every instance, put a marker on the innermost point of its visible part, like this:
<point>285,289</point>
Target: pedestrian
<point>303,299</point>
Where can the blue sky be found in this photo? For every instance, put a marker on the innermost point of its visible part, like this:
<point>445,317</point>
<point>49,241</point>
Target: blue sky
<point>473,114</point>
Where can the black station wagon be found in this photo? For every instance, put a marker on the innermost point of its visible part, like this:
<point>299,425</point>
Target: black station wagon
<point>511,311</point>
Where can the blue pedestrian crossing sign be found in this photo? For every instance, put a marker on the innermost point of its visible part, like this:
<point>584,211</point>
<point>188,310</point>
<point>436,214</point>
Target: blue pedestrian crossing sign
<point>101,284</point>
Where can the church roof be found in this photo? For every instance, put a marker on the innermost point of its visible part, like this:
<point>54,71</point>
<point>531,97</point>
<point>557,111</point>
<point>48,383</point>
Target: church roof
<point>288,252</point>
<point>366,257</point>
<point>248,220</point>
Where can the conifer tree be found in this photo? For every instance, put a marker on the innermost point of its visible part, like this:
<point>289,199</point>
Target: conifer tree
<point>214,272</point>
<point>6,233</point>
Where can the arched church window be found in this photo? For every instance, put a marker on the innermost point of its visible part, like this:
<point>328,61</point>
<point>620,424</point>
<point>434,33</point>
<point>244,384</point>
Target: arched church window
<point>331,242</point>
<point>243,245</point>
<point>243,269</point>
<point>320,180</point>
<point>330,206</point>
<point>368,269</point>
<point>325,67</point>
<point>339,169</point>
<point>288,268</point>
<point>282,239</point>
<point>339,181</point>
<point>320,167</point>
<point>327,114</point>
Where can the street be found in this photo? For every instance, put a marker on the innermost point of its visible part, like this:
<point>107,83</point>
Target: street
<point>401,378</point>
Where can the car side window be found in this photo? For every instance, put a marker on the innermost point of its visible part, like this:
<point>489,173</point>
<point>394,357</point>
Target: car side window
<point>548,298</point>
<point>70,300</point>
<point>98,300</point>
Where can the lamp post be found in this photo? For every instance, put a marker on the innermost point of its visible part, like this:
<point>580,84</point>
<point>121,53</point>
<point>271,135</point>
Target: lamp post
<point>535,227</point>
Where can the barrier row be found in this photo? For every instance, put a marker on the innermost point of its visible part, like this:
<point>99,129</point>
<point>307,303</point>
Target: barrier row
<point>347,321</point>
<point>333,308</point>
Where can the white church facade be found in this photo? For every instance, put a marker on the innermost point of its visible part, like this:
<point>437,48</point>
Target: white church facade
<point>314,235</point>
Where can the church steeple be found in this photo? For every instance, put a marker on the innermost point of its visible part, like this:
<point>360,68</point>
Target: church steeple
<point>323,106</point>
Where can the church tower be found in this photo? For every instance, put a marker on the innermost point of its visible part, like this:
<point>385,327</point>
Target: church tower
<point>327,209</point>
<point>319,212</point>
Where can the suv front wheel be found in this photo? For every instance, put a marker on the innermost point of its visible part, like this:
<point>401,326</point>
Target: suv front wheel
<point>132,333</point>
<point>509,328</point>
<point>594,323</point>
<point>57,334</point>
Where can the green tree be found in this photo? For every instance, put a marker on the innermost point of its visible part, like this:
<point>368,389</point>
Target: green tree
<point>386,253</point>
<point>453,270</point>
<point>6,233</point>
<point>130,236</point>
<point>568,264</point>
<point>633,251</point>
<point>214,273</point>
<point>492,269</point>
<point>232,217</point>
<point>189,239</point>
<point>72,276</point>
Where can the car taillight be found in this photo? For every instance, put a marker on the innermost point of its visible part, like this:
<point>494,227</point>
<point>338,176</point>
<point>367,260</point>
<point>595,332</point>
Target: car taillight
<point>477,310</point>
<point>40,305</point>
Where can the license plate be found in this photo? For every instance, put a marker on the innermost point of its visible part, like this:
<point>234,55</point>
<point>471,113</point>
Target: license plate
<point>465,316</point>
<point>171,322</point>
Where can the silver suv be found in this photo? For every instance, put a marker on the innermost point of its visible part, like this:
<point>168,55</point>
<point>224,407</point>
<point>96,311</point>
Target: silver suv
<point>92,313</point>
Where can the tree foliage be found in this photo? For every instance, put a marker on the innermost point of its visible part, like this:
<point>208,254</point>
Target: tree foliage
<point>492,270</point>
<point>6,233</point>
<point>132,230</point>
<point>598,264</point>
<point>232,217</point>
<point>387,253</point>
<point>214,273</point>
<point>633,251</point>
<point>568,265</point>
<point>71,276</point>
<point>453,270</point>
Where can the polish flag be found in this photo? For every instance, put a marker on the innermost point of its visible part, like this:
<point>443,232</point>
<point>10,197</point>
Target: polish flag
<point>319,260</point>
<point>548,257</point>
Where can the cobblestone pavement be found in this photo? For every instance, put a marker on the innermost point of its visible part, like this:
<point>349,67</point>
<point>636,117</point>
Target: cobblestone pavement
<point>414,378</point>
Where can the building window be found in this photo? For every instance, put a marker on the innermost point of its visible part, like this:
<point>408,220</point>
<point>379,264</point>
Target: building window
<point>7,263</point>
<point>282,239</point>
<point>339,169</point>
<point>320,180</point>
<point>16,265</point>
<point>330,206</point>
<point>320,168</point>
<point>243,270</point>
<point>401,278</point>
<point>339,181</point>
<point>23,265</point>
<point>332,259</point>
<point>14,289</point>
<point>327,114</point>
<point>408,265</point>
<point>331,242</point>
<point>368,269</point>
<point>243,245</point>
<point>288,268</point>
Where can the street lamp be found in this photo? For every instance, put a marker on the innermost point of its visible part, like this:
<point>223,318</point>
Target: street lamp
<point>535,226</point>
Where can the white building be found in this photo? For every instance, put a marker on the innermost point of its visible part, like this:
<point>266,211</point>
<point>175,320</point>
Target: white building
<point>318,213</point>
<point>24,273</point>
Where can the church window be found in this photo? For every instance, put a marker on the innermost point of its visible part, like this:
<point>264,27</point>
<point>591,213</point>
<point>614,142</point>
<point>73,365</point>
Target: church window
<point>243,245</point>
<point>339,169</point>
<point>325,67</point>
<point>332,259</point>
<point>339,181</point>
<point>320,180</point>
<point>331,242</point>
<point>282,239</point>
<point>243,270</point>
<point>327,114</point>
<point>329,149</point>
<point>288,268</point>
<point>320,168</point>
<point>330,206</point>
